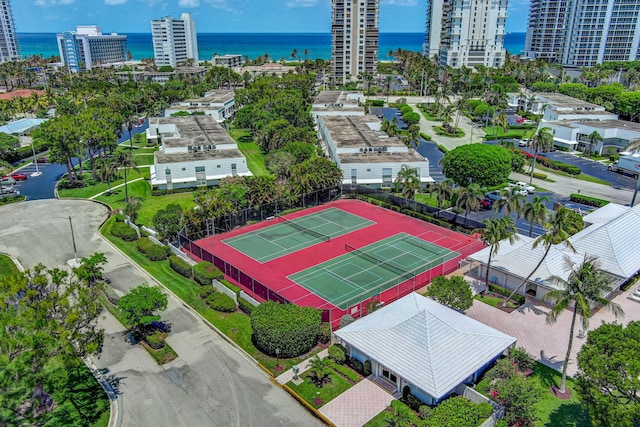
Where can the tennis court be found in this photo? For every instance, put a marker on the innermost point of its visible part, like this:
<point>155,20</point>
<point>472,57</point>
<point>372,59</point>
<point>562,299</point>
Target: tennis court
<point>291,235</point>
<point>365,272</point>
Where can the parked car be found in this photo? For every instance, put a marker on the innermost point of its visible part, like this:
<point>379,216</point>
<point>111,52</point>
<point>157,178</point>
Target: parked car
<point>7,189</point>
<point>523,143</point>
<point>43,159</point>
<point>523,185</point>
<point>7,180</point>
<point>491,197</point>
<point>19,176</point>
<point>516,189</point>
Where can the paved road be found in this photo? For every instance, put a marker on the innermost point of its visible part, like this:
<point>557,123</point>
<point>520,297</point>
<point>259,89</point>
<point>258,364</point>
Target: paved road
<point>42,187</point>
<point>211,383</point>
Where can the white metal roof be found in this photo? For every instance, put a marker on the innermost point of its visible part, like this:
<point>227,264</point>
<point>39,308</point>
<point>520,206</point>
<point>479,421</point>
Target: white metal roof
<point>606,213</point>
<point>431,346</point>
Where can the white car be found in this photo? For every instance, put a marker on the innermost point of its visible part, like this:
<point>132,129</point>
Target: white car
<point>515,189</point>
<point>523,143</point>
<point>524,186</point>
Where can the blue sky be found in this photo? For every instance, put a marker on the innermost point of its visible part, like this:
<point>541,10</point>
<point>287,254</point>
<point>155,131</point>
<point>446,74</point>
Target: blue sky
<point>222,16</point>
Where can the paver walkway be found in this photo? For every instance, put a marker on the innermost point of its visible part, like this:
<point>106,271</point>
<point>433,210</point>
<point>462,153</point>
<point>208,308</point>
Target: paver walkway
<point>548,343</point>
<point>357,405</point>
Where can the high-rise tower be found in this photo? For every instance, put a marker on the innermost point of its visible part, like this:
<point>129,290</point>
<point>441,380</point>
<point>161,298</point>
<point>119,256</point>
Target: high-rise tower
<point>583,33</point>
<point>9,48</point>
<point>87,48</point>
<point>466,32</point>
<point>174,40</point>
<point>354,38</point>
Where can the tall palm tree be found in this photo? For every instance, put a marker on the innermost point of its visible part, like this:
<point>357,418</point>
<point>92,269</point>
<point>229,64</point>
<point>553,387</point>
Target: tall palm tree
<point>559,227</point>
<point>594,138</point>
<point>107,168</point>
<point>409,179</point>
<point>495,231</point>
<point>124,160</point>
<point>585,287</point>
<point>469,198</point>
<point>540,141</point>
<point>412,138</point>
<point>443,191</point>
<point>512,201</point>
<point>535,211</point>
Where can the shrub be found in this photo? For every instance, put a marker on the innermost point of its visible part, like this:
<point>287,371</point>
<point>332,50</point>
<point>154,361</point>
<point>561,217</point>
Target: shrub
<point>425,136</point>
<point>337,354</point>
<point>123,231</point>
<point>291,328</point>
<point>155,340</point>
<point>180,266</point>
<point>570,169</point>
<point>442,148</point>
<point>151,250</point>
<point>356,365</point>
<point>521,358</point>
<point>457,411</point>
<point>206,290</point>
<point>560,148</point>
<point>245,306</point>
<point>367,368</point>
<point>413,402</point>
<point>119,217</point>
<point>221,302</point>
<point>506,292</point>
<point>204,272</point>
<point>587,200</point>
<point>540,175</point>
<point>347,318</point>
<point>324,336</point>
<point>228,284</point>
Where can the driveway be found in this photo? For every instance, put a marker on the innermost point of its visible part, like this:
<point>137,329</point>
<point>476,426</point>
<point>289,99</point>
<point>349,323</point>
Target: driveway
<point>211,383</point>
<point>357,405</point>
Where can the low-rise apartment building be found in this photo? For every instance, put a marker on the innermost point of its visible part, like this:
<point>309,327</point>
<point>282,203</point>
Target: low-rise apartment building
<point>194,152</point>
<point>338,103</point>
<point>575,134</point>
<point>229,61</point>
<point>219,104</point>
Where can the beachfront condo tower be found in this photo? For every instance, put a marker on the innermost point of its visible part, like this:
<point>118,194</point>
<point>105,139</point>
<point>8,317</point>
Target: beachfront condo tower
<point>466,32</point>
<point>354,38</point>
<point>583,33</point>
<point>9,48</point>
<point>87,48</point>
<point>175,41</point>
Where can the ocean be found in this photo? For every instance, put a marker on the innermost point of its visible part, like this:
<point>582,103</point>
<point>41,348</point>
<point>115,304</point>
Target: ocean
<point>253,45</point>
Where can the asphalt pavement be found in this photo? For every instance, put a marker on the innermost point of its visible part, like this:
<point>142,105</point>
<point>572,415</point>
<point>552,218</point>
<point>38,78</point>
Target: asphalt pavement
<point>210,384</point>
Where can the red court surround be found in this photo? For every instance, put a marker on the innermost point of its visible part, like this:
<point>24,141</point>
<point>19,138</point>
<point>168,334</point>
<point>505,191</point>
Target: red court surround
<point>273,274</point>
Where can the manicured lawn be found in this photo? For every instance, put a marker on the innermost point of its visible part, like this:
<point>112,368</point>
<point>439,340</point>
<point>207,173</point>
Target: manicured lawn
<point>7,267</point>
<point>550,410</point>
<point>493,301</point>
<point>255,158</point>
<point>235,325</point>
<point>443,132</point>
<point>308,390</point>
<point>516,133</point>
<point>11,199</point>
<point>143,159</point>
<point>98,187</point>
<point>581,177</point>
<point>426,199</point>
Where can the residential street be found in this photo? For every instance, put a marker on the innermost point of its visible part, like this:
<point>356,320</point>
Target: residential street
<point>211,383</point>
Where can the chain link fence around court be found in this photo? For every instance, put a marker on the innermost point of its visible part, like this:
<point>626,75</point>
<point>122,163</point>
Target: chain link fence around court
<point>458,222</point>
<point>210,226</point>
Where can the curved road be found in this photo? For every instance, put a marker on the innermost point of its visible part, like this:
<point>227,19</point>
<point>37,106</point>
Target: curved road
<point>210,384</point>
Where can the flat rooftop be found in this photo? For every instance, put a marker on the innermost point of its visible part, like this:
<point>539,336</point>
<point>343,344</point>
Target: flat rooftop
<point>355,131</point>
<point>564,101</point>
<point>584,112</point>
<point>193,130</point>
<point>333,97</point>
<point>600,124</point>
<point>213,97</point>
<point>194,157</point>
<point>381,157</point>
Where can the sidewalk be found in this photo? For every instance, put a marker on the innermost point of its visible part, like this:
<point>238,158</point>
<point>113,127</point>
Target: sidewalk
<point>113,188</point>
<point>287,376</point>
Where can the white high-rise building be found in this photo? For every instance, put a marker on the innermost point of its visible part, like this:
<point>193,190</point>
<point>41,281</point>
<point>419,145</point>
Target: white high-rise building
<point>466,32</point>
<point>87,47</point>
<point>174,40</point>
<point>9,48</point>
<point>583,33</point>
<point>354,38</point>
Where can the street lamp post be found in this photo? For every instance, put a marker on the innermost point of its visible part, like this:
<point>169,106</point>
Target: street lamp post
<point>73,239</point>
<point>277,358</point>
<point>35,161</point>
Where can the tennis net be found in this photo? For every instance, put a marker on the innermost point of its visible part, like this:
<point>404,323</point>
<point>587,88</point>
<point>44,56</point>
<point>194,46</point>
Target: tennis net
<point>304,229</point>
<point>378,261</point>
<point>423,246</point>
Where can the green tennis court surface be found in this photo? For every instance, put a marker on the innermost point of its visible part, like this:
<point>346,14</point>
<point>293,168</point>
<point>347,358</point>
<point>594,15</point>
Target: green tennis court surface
<point>288,236</point>
<point>370,270</point>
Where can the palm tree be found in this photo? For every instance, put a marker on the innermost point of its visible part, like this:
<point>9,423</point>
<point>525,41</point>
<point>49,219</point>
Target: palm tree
<point>409,179</point>
<point>124,160</point>
<point>412,138</point>
<point>132,207</point>
<point>399,417</point>
<point>594,138</point>
<point>443,191</point>
<point>559,227</point>
<point>585,287</point>
<point>540,141</point>
<point>320,370</point>
<point>469,197</point>
<point>107,168</point>
<point>512,200</point>
<point>535,211</point>
<point>495,231</point>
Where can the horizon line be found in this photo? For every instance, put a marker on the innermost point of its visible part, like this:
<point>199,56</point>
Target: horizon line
<point>266,32</point>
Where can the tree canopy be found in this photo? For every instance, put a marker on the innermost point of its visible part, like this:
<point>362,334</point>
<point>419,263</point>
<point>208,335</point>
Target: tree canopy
<point>482,164</point>
<point>141,305</point>
<point>454,292</point>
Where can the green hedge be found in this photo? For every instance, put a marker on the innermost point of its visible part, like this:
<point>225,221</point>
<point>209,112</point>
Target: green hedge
<point>325,333</point>
<point>442,148</point>
<point>221,302</point>
<point>540,175</point>
<point>123,231</point>
<point>570,169</point>
<point>337,353</point>
<point>151,250</point>
<point>180,266</point>
<point>425,136</point>
<point>204,272</point>
<point>206,290</point>
<point>587,200</point>
<point>506,292</point>
<point>376,102</point>
<point>245,306</point>
<point>345,372</point>
<point>172,191</point>
<point>457,411</point>
<point>228,284</point>
<point>288,327</point>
